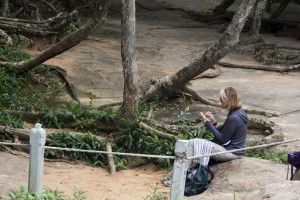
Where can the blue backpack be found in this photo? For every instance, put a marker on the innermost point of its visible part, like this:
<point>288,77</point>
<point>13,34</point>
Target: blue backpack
<point>197,180</point>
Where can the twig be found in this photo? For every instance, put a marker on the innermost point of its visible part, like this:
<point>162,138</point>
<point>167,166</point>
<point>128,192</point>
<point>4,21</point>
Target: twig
<point>161,134</point>
<point>150,112</point>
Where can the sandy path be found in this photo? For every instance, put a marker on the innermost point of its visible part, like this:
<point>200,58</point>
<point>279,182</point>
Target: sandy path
<point>98,184</point>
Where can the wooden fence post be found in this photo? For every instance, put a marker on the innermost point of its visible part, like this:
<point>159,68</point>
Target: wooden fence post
<point>179,170</point>
<point>36,164</point>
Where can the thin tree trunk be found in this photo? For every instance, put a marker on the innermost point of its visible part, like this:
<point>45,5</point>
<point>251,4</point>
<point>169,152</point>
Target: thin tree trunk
<point>130,70</point>
<point>210,57</point>
<point>280,9</point>
<point>68,42</point>
<point>258,13</point>
<point>220,9</point>
<point>4,8</point>
<point>6,37</point>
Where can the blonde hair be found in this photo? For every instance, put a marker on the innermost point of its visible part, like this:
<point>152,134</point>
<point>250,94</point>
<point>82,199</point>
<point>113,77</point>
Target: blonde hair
<point>230,94</point>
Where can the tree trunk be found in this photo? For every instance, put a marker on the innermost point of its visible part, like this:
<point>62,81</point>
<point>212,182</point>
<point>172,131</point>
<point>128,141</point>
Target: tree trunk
<point>258,13</point>
<point>130,70</point>
<point>68,42</point>
<point>210,57</point>
<point>4,8</point>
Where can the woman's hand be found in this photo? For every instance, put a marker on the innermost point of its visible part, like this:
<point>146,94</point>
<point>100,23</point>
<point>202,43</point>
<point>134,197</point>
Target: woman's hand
<point>204,118</point>
<point>210,117</point>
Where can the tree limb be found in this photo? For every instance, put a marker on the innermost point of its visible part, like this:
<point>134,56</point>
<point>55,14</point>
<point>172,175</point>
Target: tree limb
<point>6,37</point>
<point>160,134</point>
<point>176,129</point>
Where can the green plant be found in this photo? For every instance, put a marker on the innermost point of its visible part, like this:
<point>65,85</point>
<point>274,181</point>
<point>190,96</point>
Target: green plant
<point>155,194</point>
<point>70,28</point>
<point>48,194</point>
<point>81,117</point>
<point>13,120</point>
<point>79,194</point>
<point>86,141</point>
<point>267,154</point>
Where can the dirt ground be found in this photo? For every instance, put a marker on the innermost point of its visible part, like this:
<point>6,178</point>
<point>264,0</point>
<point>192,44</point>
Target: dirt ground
<point>98,184</point>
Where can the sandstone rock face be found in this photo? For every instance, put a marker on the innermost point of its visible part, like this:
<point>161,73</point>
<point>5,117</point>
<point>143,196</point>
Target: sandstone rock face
<point>250,179</point>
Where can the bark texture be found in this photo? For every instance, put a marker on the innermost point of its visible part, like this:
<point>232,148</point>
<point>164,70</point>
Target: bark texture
<point>130,70</point>
<point>4,8</point>
<point>258,13</point>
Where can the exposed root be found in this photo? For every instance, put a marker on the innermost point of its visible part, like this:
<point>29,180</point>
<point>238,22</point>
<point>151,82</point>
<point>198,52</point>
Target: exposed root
<point>213,72</point>
<point>70,85</point>
<point>262,67</point>
<point>200,98</point>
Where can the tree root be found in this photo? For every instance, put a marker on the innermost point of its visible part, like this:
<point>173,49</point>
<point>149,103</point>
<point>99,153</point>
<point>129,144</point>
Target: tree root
<point>200,98</point>
<point>110,105</point>
<point>175,129</point>
<point>160,134</point>
<point>213,72</point>
<point>64,76</point>
<point>262,67</point>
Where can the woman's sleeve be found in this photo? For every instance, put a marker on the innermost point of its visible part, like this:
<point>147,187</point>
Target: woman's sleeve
<point>227,131</point>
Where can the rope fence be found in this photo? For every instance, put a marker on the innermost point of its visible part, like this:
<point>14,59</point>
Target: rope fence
<point>14,144</point>
<point>114,153</point>
<point>155,156</point>
<point>246,148</point>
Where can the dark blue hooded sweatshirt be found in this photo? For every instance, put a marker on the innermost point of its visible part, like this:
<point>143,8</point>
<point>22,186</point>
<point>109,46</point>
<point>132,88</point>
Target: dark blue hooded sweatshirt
<point>234,131</point>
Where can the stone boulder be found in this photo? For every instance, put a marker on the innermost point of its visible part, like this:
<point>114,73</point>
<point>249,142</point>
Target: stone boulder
<point>248,179</point>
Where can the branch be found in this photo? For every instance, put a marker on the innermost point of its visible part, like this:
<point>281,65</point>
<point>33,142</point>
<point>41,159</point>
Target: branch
<point>50,6</point>
<point>39,28</point>
<point>176,129</point>
<point>160,134</point>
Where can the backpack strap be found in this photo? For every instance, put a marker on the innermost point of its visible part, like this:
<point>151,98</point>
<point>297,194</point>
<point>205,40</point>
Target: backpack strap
<point>212,175</point>
<point>292,172</point>
<point>287,173</point>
